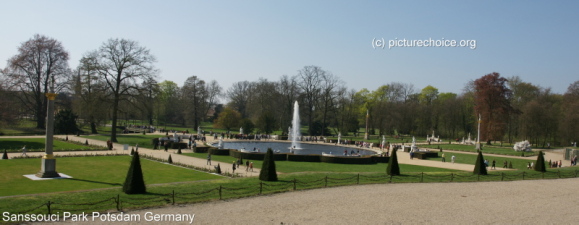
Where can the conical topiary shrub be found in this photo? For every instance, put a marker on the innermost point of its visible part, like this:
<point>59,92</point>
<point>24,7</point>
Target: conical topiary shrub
<point>86,142</point>
<point>540,164</point>
<point>218,169</point>
<point>5,155</point>
<point>179,149</point>
<point>510,164</point>
<point>393,169</point>
<point>134,183</point>
<point>240,160</point>
<point>132,151</point>
<point>479,165</point>
<point>268,172</point>
<point>170,160</point>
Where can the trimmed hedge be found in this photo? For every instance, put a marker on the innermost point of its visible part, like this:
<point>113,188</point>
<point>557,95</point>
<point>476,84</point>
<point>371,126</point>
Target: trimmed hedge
<point>216,151</point>
<point>176,145</point>
<point>425,155</point>
<point>202,149</point>
<point>304,158</point>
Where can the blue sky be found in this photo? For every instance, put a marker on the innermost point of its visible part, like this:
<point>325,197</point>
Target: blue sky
<point>230,41</point>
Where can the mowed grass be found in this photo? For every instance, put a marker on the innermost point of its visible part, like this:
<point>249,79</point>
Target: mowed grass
<point>145,141</point>
<point>88,173</point>
<point>38,144</point>
<point>520,164</point>
<point>471,148</point>
<point>293,167</point>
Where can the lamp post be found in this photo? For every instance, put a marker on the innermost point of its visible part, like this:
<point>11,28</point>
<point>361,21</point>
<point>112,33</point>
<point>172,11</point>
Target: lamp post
<point>48,167</point>
<point>477,146</point>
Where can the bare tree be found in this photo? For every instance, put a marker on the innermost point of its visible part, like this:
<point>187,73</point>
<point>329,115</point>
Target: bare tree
<point>89,92</point>
<point>310,78</point>
<point>239,94</point>
<point>40,63</point>
<point>122,64</point>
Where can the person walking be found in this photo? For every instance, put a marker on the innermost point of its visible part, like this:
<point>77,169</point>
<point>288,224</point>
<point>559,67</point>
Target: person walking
<point>234,167</point>
<point>443,159</point>
<point>452,158</point>
<point>494,165</point>
<point>209,159</point>
<point>251,166</point>
<point>24,151</point>
<point>246,165</point>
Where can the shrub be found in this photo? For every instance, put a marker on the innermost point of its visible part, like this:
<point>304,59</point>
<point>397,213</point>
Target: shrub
<point>540,164</point>
<point>479,165</point>
<point>510,164</point>
<point>393,169</point>
<point>268,172</point>
<point>132,151</point>
<point>218,169</point>
<point>5,155</point>
<point>155,143</point>
<point>86,142</point>
<point>170,160</point>
<point>134,183</point>
<point>179,150</point>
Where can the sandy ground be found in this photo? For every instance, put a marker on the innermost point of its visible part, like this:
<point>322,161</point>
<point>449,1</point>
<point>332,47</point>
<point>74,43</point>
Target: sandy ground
<point>515,202</point>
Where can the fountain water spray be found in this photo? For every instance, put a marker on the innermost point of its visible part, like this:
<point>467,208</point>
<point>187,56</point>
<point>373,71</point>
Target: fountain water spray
<point>295,129</point>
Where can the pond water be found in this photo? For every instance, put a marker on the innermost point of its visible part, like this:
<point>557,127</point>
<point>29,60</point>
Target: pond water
<point>307,149</point>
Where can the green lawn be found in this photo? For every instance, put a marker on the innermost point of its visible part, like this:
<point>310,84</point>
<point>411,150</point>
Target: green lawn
<point>88,173</point>
<point>38,144</point>
<point>486,149</point>
<point>144,141</point>
<point>520,164</point>
<point>292,167</point>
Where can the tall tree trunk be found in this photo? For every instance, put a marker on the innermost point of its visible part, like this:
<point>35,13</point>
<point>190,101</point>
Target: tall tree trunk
<point>114,122</point>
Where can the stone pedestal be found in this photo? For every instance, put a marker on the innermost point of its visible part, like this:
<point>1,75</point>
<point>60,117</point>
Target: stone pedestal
<point>48,168</point>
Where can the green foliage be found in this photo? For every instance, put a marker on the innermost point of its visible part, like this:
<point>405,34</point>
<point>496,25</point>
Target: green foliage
<point>319,127</point>
<point>268,172</point>
<point>510,164</point>
<point>132,151</point>
<point>5,155</point>
<point>393,168</point>
<point>247,125</point>
<point>266,122</point>
<point>540,164</point>
<point>479,165</point>
<point>65,122</point>
<point>228,119</point>
<point>135,184</point>
<point>170,160</point>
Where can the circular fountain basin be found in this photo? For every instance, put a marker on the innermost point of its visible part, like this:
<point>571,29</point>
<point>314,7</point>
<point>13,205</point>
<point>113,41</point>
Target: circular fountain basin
<point>306,149</point>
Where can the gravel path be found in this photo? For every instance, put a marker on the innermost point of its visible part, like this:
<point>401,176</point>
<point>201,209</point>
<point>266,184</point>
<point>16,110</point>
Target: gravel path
<point>515,202</point>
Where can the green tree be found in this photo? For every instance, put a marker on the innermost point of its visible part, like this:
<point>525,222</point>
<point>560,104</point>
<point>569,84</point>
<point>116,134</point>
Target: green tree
<point>480,166</point>
<point>134,183</point>
<point>393,169</point>
<point>65,122</point>
<point>268,172</point>
<point>247,125</point>
<point>540,163</point>
<point>266,123</point>
<point>228,119</point>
